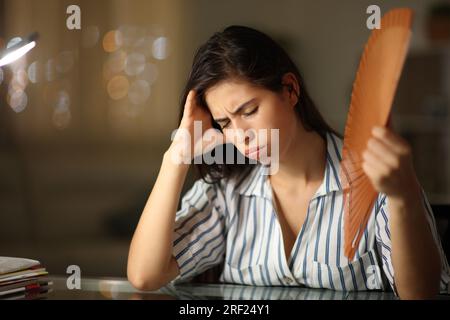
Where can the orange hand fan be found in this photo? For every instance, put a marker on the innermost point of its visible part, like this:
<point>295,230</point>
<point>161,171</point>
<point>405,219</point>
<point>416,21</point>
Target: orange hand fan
<point>373,93</point>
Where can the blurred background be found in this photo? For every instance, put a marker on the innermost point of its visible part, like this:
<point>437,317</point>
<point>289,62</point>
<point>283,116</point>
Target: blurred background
<point>86,116</point>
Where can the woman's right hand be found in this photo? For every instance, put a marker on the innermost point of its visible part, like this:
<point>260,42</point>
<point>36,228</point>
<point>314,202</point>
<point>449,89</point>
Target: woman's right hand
<point>195,135</point>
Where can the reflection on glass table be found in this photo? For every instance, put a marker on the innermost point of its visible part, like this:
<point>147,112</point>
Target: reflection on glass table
<point>121,289</point>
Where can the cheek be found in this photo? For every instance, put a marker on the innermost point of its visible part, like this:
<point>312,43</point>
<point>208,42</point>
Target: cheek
<point>280,130</point>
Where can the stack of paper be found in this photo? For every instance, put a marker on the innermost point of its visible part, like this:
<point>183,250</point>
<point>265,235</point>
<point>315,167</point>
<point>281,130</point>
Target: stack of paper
<point>22,278</point>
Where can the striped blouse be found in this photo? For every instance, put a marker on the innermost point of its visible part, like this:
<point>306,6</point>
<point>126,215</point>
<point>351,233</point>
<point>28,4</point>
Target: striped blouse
<point>234,223</point>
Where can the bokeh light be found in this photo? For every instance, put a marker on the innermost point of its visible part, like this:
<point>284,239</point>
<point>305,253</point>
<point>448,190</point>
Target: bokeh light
<point>62,100</point>
<point>19,80</point>
<point>150,73</point>
<point>90,36</point>
<point>134,64</point>
<point>131,35</point>
<point>144,46</point>
<point>114,64</point>
<point>18,100</point>
<point>118,87</point>
<point>13,41</point>
<point>54,93</point>
<point>50,70</point>
<point>22,77</point>
<point>112,41</point>
<point>61,118</point>
<point>160,51</point>
<point>19,64</point>
<point>139,92</point>
<point>128,69</point>
<point>16,97</point>
<point>35,72</point>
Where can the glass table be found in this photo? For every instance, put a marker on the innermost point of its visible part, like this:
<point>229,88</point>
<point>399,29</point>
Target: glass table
<point>121,289</point>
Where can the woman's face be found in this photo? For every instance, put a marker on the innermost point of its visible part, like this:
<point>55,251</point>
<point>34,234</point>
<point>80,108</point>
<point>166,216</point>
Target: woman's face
<point>244,110</point>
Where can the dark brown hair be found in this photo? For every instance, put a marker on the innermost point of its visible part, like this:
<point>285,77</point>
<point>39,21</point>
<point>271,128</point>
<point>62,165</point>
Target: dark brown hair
<point>251,55</point>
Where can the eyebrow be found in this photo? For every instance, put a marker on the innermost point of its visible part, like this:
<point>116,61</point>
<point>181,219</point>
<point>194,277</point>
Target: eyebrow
<point>237,110</point>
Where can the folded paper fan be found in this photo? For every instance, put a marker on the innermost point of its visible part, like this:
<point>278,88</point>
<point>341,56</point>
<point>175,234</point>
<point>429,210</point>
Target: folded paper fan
<point>372,96</point>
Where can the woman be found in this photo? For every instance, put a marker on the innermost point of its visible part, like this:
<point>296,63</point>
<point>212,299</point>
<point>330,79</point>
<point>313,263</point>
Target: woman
<point>284,228</point>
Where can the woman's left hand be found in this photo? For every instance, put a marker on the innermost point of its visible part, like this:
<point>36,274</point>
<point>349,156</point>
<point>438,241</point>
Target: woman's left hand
<point>388,164</point>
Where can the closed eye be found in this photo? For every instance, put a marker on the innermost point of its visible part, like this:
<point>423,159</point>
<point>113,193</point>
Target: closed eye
<point>247,114</point>
<point>223,126</point>
<point>251,112</point>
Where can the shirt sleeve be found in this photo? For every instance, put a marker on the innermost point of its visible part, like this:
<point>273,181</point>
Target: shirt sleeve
<point>199,232</point>
<point>383,238</point>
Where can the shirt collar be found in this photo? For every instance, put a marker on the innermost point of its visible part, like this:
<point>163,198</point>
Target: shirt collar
<point>256,182</point>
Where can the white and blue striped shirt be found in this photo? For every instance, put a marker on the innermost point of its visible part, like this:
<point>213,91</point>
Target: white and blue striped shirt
<point>234,223</point>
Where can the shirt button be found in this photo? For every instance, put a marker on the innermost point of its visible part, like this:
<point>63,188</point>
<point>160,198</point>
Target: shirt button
<point>288,280</point>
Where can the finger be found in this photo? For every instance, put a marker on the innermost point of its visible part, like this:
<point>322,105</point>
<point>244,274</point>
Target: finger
<point>383,152</point>
<point>371,159</point>
<point>372,173</point>
<point>210,139</point>
<point>394,141</point>
<point>190,101</point>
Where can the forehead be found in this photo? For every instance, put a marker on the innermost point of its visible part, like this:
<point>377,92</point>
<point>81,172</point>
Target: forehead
<point>227,96</point>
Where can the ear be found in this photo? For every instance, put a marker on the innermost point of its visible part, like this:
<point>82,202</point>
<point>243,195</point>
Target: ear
<point>290,82</point>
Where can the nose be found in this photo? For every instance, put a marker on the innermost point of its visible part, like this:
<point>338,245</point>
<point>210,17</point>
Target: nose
<point>250,136</point>
<point>241,133</point>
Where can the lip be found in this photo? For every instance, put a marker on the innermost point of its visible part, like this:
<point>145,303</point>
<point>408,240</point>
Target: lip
<point>253,151</point>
